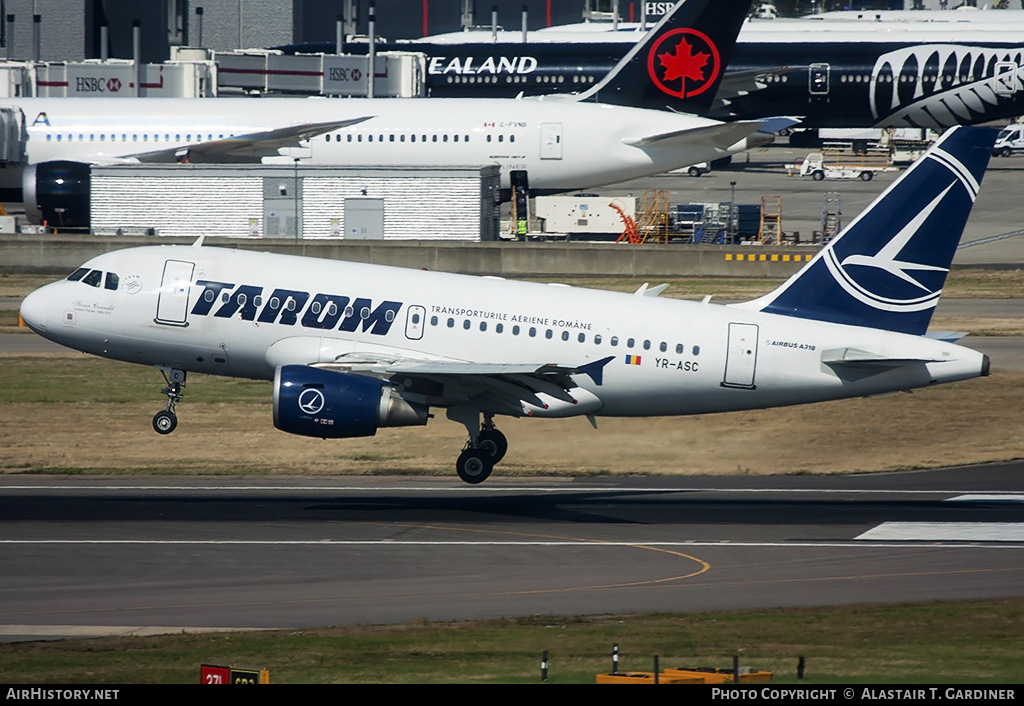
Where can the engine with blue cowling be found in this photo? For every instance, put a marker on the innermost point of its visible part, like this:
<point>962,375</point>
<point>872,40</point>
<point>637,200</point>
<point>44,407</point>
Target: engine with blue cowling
<point>315,402</point>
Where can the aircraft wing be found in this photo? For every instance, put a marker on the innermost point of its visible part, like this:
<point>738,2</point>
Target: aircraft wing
<point>245,148</point>
<point>508,388</point>
<point>722,135</point>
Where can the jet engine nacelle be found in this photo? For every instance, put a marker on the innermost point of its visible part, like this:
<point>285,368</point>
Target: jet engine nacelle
<point>57,193</point>
<point>315,402</point>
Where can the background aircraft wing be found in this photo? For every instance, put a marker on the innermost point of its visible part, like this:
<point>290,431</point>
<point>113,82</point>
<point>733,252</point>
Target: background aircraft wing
<point>245,148</point>
<point>740,83</point>
<point>722,135</point>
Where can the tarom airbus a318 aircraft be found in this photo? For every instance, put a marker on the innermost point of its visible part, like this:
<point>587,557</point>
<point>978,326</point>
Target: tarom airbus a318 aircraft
<point>351,348</point>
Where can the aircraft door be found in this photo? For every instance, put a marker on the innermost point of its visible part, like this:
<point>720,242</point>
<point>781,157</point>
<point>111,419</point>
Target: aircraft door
<point>415,320</point>
<point>175,287</point>
<point>741,357</point>
<point>551,140</point>
<point>818,80</point>
<point>1006,78</point>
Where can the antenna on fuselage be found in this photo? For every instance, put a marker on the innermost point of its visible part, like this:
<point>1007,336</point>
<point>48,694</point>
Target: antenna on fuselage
<point>199,242</point>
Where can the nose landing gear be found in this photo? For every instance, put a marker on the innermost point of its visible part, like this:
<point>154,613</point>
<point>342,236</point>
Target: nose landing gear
<point>165,421</point>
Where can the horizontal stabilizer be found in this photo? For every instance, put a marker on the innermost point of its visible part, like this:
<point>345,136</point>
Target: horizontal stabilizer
<point>946,336</point>
<point>864,359</point>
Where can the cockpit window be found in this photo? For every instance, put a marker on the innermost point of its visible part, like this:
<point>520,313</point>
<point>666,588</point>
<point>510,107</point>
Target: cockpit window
<point>77,274</point>
<point>93,279</point>
<point>111,281</point>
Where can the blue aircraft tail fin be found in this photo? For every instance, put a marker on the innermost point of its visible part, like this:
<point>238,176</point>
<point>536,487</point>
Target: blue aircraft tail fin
<point>886,269</point>
<point>679,64</point>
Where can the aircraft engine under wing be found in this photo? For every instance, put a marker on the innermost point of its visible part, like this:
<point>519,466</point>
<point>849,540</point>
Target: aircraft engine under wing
<point>251,147</point>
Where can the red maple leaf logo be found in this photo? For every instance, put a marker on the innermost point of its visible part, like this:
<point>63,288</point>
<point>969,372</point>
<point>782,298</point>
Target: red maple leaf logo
<point>684,64</point>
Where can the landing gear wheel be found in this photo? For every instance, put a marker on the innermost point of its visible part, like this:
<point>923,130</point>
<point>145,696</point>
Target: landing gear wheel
<point>474,465</point>
<point>494,442</point>
<point>165,422</point>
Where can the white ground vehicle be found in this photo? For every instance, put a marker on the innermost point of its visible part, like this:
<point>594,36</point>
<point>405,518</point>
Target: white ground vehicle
<point>1009,141</point>
<point>826,165</point>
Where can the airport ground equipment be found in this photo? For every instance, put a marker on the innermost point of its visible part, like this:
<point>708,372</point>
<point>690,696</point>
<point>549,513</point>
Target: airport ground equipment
<point>1009,141</point>
<point>829,164</point>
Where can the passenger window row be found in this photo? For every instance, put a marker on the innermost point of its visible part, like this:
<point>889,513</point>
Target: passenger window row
<point>403,137</point>
<point>565,335</point>
<point>125,137</point>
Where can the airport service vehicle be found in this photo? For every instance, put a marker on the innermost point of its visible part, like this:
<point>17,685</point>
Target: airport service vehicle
<point>352,348</point>
<point>1009,141</point>
<point>643,124</point>
<point>841,165</point>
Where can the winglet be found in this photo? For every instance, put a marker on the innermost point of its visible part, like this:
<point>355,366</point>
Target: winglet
<point>887,268</point>
<point>596,369</point>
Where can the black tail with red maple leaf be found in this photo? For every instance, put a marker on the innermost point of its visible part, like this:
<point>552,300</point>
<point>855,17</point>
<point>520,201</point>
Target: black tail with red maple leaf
<point>678,65</point>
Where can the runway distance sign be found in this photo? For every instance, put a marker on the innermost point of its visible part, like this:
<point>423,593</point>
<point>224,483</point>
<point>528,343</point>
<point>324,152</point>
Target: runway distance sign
<point>216,674</point>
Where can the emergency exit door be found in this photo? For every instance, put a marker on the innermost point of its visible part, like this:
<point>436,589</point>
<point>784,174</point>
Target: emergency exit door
<point>741,357</point>
<point>551,140</point>
<point>818,80</point>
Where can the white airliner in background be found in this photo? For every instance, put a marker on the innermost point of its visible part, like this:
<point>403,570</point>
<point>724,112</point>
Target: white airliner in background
<point>352,348</point>
<point>562,144</point>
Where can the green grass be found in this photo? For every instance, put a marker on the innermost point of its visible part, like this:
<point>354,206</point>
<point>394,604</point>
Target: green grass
<point>88,379</point>
<point>952,642</point>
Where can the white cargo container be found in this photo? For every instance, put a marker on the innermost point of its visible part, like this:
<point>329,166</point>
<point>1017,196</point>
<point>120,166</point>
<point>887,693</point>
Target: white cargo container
<point>583,213</point>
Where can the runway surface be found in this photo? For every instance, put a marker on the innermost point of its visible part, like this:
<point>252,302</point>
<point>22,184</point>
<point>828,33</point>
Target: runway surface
<point>102,555</point>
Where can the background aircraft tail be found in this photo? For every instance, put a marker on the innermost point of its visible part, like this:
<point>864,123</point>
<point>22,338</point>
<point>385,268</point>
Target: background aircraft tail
<point>886,269</point>
<point>679,64</point>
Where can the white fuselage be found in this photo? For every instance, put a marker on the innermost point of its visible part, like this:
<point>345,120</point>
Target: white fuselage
<point>668,357</point>
<point>562,144</point>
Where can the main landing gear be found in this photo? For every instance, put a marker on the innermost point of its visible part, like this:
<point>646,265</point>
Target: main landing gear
<point>485,448</point>
<point>165,421</point>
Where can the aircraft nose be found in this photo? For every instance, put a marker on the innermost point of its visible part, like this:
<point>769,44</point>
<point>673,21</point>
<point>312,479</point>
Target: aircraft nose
<point>34,311</point>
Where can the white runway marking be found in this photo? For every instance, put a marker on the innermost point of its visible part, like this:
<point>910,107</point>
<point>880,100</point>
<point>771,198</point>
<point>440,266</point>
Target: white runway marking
<point>947,532</point>
<point>993,498</point>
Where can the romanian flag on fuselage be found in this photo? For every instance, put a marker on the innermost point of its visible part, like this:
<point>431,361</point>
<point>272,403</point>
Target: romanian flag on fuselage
<point>632,360</point>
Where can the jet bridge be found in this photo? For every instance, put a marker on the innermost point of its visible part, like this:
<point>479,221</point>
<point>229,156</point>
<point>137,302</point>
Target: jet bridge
<point>12,136</point>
